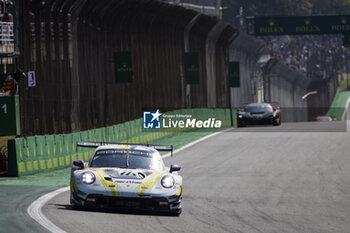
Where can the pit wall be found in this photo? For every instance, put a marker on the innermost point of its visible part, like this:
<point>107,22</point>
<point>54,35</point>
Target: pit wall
<point>29,155</point>
<point>287,87</point>
<point>320,103</point>
<point>247,51</point>
<point>71,46</point>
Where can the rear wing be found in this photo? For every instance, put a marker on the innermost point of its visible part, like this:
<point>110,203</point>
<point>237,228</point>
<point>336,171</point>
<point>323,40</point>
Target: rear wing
<point>97,144</point>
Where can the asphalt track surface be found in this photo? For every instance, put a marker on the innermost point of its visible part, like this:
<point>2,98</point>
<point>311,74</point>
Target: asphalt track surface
<point>245,180</point>
<point>14,201</point>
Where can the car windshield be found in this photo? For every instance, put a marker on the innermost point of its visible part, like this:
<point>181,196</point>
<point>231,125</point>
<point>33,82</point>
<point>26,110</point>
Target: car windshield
<point>258,108</point>
<point>125,159</point>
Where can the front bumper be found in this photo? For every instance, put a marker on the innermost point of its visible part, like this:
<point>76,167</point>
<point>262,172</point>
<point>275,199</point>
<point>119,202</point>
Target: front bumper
<point>256,121</point>
<point>170,204</point>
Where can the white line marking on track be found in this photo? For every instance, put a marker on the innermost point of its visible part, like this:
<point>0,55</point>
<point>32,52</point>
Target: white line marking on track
<point>346,110</point>
<point>35,209</point>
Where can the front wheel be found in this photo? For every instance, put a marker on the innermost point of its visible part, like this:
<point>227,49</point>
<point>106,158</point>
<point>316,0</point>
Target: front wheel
<point>241,124</point>
<point>175,214</point>
<point>75,206</point>
<point>277,122</point>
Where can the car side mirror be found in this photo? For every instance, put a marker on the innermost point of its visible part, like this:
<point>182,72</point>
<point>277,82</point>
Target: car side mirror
<point>79,164</point>
<point>174,168</point>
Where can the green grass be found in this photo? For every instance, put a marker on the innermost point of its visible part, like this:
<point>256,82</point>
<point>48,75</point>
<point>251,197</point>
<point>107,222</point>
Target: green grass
<point>338,105</point>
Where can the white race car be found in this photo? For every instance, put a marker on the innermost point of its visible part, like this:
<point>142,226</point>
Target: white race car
<point>126,176</point>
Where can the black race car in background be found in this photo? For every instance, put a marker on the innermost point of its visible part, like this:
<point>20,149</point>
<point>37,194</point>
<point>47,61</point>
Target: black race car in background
<point>258,113</point>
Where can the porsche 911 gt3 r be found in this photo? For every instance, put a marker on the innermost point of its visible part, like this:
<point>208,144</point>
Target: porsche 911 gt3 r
<point>126,177</point>
<point>259,113</point>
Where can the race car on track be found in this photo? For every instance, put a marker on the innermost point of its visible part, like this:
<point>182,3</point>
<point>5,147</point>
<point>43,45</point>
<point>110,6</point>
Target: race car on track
<point>259,113</point>
<point>126,176</point>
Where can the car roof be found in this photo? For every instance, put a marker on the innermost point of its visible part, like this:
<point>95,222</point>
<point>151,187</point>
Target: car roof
<point>136,148</point>
<point>259,105</point>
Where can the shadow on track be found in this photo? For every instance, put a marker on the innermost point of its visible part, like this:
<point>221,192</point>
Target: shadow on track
<point>114,211</point>
<point>300,127</point>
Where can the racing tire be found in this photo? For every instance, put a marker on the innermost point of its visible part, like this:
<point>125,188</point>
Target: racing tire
<point>275,123</point>
<point>241,124</point>
<point>74,206</point>
<point>175,214</point>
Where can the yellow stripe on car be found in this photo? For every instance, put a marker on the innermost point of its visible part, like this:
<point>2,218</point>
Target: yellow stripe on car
<point>108,184</point>
<point>74,185</point>
<point>180,191</point>
<point>149,183</point>
<point>124,147</point>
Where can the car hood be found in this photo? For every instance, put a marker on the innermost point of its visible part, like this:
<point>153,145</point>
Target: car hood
<point>258,114</point>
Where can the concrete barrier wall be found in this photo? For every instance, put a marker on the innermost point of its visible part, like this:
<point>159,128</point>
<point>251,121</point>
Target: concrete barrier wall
<point>247,51</point>
<point>320,103</point>
<point>71,45</point>
<point>199,31</point>
<point>287,88</point>
<point>29,155</point>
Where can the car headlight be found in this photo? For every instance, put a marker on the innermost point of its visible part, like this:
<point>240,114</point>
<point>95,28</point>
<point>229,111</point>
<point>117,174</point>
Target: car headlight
<point>88,178</point>
<point>240,116</point>
<point>168,182</point>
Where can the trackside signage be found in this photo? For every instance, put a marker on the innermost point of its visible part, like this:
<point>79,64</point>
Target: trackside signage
<point>294,25</point>
<point>123,67</point>
<point>158,120</point>
<point>191,68</point>
<point>192,123</point>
